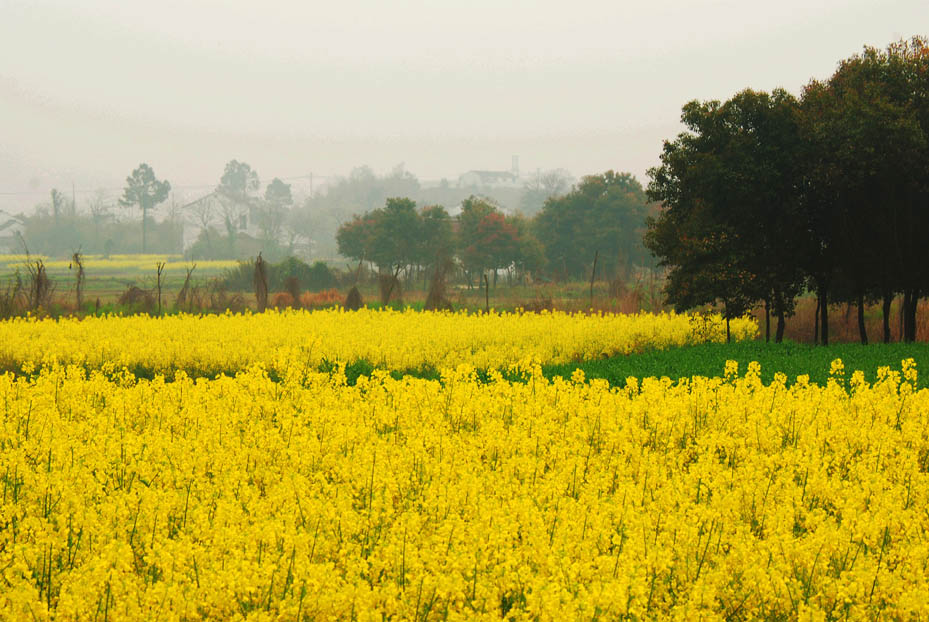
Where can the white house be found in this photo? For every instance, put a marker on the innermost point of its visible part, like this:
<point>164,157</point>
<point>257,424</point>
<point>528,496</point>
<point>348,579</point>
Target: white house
<point>490,179</point>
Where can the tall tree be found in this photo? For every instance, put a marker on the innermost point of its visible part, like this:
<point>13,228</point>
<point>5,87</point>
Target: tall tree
<point>731,206</point>
<point>146,191</point>
<point>865,189</point>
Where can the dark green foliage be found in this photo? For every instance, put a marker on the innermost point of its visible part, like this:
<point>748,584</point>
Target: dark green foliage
<point>792,359</point>
<point>314,278</point>
<point>729,187</point>
<point>764,194</point>
<point>603,213</point>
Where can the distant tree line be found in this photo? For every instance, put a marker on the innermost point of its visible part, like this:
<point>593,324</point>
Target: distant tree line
<point>602,215</point>
<point>767,195</point>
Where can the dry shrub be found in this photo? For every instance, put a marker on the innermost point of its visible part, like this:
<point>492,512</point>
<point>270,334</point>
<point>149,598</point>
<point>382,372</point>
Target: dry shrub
<point>138,299</point>
<point>39,292</point>
<point>541,303</point>
<point>324,298</point>
<point>389,286</point>
<point>236,303</point>
<point>353,301</point>
<point>196,299</point>
<point>13,299</point>
<point>436,299</point>
<point>184,295</point>
<point>220,301</point>
<point>618,288</point>
<point>292,287</point>
<point>283,300</point>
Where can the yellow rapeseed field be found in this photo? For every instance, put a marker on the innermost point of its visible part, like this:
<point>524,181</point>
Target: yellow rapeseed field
<point>278,492</point>
<point>245,498</point>
<point>288,341</point>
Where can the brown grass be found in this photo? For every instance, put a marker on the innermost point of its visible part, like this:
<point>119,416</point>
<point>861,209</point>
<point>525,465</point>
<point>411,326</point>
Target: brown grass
<point>843,322</point>
<point>325,298</point>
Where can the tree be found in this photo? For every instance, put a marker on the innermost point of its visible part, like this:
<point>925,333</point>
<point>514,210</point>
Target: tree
<point>730,224</point>
<point>273,212</point>
<point>865,193</point>
<point>396,233</point>
<point>436,236</point>
<point>99,208</point>
<point>144,190</point>
<point>603,213</point>
<point>542,186</point>
<point>468,243</point>
<point>355,238</point>
<point>487,239</point>
<point>58,202</point>
<point>236,190</point>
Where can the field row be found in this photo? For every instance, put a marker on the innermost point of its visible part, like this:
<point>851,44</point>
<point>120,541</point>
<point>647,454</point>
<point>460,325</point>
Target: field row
<point>556,499</point>
<point>294,342</point>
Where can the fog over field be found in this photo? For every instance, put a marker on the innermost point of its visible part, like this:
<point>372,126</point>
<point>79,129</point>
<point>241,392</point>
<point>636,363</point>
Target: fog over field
<point>89,89</point>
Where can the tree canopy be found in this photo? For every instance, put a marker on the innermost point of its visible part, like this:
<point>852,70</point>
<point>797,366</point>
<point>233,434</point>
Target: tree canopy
<point>765,194</point>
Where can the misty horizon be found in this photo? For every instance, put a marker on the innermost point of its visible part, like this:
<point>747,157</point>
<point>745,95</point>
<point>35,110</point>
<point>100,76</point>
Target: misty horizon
<point>88,92</point>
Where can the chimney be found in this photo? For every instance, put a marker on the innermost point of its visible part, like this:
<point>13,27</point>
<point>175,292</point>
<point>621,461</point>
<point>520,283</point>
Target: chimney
<point>514,167</point>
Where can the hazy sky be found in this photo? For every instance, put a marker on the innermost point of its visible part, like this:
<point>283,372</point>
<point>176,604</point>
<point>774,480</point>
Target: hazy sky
<point>91,88</point>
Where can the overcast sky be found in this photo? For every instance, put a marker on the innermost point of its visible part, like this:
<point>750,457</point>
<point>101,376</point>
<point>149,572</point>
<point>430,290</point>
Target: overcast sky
<point>91,88</point>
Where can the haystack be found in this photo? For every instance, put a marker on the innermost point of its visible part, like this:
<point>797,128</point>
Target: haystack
<point>353,301</point>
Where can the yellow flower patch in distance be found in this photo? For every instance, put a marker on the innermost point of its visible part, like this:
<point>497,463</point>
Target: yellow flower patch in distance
<point>294,341</point>
<point>247,498</point>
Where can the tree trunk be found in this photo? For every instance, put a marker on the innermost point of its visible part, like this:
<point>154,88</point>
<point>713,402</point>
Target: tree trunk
<point>143,229</point>
<point>767,322</point>
<point>862,330</point>
<point>824,317</point>
<point>816,321</point>
<point>887,300</point>
<point>779,335</point>
<point>910,301</point>
<point>728,333</point>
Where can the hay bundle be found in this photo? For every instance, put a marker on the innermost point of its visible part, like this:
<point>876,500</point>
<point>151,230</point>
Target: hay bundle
<point>353,300</point>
